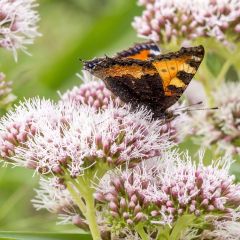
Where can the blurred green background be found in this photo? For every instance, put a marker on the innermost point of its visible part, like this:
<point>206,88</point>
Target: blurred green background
<point>71,30</point>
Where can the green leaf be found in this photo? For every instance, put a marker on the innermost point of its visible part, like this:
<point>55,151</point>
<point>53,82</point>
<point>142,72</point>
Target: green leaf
<point>43,236</point>
<point>214,63</point>
<point>163,233</point>
<point>235,168</point>
<point>232,75</point>
<point>181,225</point>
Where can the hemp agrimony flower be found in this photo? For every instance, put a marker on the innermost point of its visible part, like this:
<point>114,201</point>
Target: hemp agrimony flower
<point>220,127</point>
<point>21,124</point>
<point>92,93</point>
<point>155,200</point>
<point>18,24</point>
<point>6,96</point>
<point>53,196</point>
<point>79,138</point>
<point>78,145</point>
<point>166,20</point>
<point>228,229</point>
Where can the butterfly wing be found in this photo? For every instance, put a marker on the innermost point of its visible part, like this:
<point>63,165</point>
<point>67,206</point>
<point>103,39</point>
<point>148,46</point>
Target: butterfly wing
<point>140,51</point>
<point>156,83</point>
<point>178,68</point>
<point>176,71</point>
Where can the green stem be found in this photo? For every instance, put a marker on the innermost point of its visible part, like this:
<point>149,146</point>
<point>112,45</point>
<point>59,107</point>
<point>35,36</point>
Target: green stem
<point>206,77</point>
<point>82,194</point>
<point>76,197</point>
<point>91,215</point>
<point>225,68</point>
<point>140,230</point>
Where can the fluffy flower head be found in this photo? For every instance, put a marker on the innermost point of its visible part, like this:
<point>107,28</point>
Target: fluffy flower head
<point>160,195</point>
<point>77,137</point>
<point>220,127</point>
<point>18,24</point>
<point>6,96</point>
<point>92,92</point>
<point>21,124</point>
<point>164,20</point>
<point>53,196</point>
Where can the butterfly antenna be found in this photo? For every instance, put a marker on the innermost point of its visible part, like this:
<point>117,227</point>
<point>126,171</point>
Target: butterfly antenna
<point>190,105</point>
<point>186,109</point>
<point>201,109</point>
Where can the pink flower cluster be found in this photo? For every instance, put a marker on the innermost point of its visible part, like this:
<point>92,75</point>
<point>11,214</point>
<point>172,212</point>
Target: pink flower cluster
<point>53,196</point>
<point>18,24</point>
<point>159,195</point>
<point>54,137</point>
<point>166,20</point>
<point>92,92</point>
<point>6,96</point>
<point>220,128</point>
<point>19,125</point>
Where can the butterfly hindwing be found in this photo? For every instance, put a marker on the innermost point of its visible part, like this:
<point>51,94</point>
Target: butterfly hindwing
<point>140,51</point>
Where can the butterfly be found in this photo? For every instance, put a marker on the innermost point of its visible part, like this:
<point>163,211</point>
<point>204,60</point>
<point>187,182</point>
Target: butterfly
<point>143,76</point>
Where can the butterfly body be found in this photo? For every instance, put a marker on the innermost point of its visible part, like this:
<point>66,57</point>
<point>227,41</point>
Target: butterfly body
<point>144,77</point>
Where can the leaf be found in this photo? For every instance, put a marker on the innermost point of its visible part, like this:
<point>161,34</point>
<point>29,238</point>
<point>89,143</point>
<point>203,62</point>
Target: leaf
<point>163,233</point>
<point>43,236</point>
<point>235,168</point>
<point>232,75</point>
<point>181,225</point>
<point>7,238</point>
<point>214,63</point>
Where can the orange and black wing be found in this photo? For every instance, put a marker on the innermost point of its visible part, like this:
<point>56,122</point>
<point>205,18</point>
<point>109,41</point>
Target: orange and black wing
<point>178,68</point>
<point>140,51</point>
<point>156,83</point>
<point>131,80</point>
<point>176,71</point>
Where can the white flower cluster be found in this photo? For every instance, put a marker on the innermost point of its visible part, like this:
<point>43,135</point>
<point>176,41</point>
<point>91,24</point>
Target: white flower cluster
<point>164,20</point>
<point>18,24</point>
<point>220,127</point>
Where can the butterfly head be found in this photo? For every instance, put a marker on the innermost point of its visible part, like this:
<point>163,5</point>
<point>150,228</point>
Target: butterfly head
<point>97,66</point>
<point>92,64</point>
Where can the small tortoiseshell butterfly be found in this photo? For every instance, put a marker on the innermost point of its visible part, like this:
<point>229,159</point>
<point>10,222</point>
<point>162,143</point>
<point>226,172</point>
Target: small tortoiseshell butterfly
<point>142,75</point>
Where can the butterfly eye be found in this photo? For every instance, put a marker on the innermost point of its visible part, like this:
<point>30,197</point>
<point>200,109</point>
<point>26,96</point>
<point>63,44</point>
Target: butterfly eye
<point>89,65</point>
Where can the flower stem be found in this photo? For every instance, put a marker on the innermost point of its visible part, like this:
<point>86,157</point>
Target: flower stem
<point>225,68</point>
<point>76,197</point>
<point>140,230</point>
<point>91,215</point>
<point>82,194</point>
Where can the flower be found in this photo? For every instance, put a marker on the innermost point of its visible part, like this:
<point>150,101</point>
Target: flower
<point>18,24</point>
<point>220,127</point>
<point>224,230</point>
<point>75,138</point>
<point>162,194</point>
<point>21,123</point>
<point>53,196</point>
<point>175,127</point>
<point>92,93</point>
<point>6,96</point>
<point>163,20</point>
